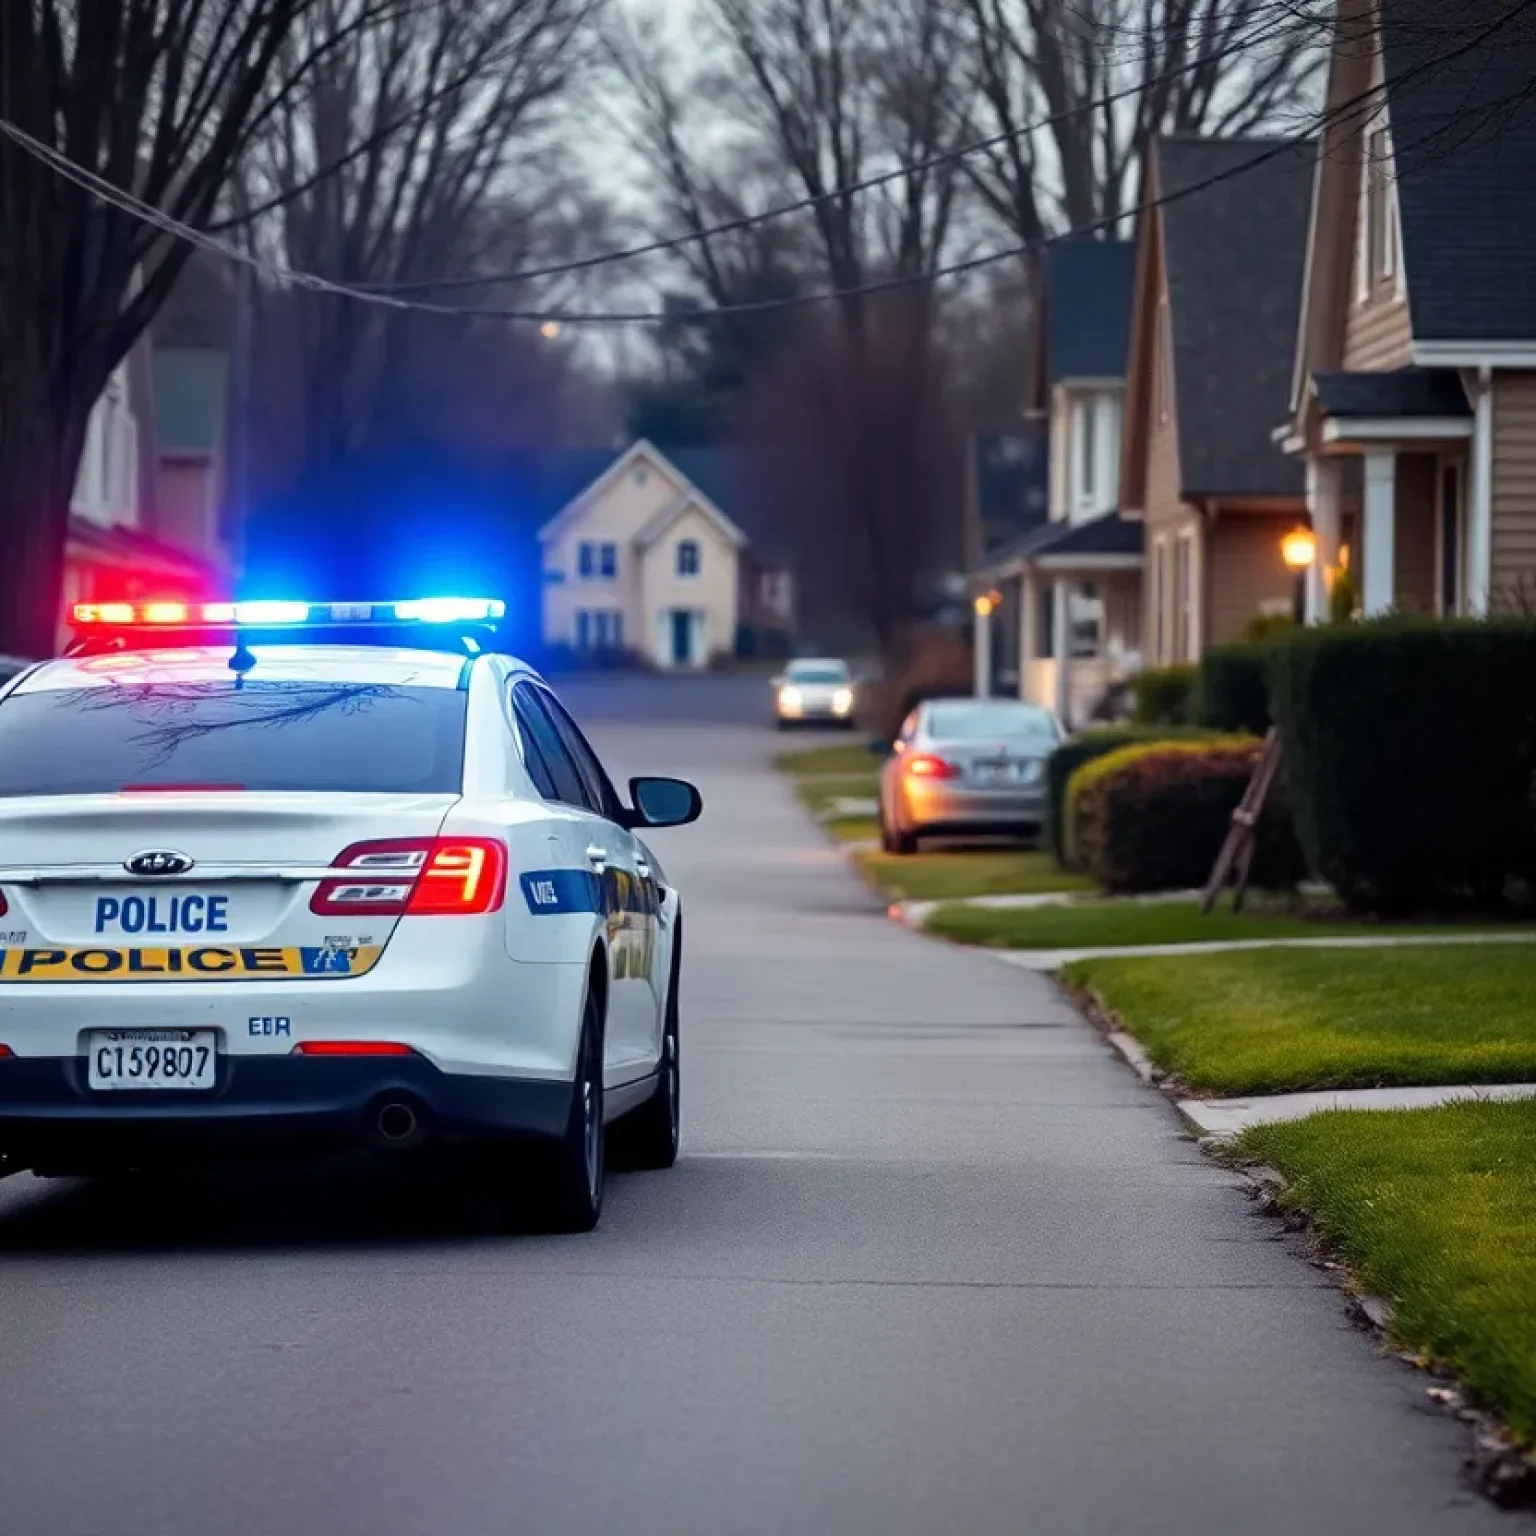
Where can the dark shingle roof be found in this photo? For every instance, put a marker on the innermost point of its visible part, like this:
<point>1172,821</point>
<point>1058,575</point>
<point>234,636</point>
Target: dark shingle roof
<point>1088,308</point>
<point>1235,250</point>
<point>1464,136</point>
<point>1402,392</point>
<point>1012,483</point>
<point>1107,535</point>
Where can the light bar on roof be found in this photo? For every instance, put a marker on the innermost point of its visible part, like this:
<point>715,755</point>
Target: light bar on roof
<point>282,614</point>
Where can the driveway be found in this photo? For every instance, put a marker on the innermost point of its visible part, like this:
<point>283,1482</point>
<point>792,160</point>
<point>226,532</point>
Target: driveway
<point>932,1262</point>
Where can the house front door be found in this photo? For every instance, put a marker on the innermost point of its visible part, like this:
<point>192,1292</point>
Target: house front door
<point>682,637</point>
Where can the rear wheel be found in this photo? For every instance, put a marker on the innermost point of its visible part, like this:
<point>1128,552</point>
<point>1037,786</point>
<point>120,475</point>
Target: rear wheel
<point>892,838</point>
<point>570,1189</point>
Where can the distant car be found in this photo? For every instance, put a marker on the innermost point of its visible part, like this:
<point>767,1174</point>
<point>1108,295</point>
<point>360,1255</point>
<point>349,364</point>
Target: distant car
<point>814,690</point>
<point>959,766</point>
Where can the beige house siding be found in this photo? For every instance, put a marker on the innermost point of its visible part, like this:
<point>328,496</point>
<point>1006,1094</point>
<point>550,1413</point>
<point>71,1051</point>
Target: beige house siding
<point>1413,543</point>
<point>1376,335</point>
<point>1514,488</point>
<point>1246,572</point>
<point>615,513</point>
<point>714,592</point>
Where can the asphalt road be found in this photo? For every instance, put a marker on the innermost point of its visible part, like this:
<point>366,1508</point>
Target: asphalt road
<point>933,1262</point>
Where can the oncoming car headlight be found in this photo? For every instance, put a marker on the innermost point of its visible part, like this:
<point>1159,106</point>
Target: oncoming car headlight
<point>842,701</point>
<point>790,698</point>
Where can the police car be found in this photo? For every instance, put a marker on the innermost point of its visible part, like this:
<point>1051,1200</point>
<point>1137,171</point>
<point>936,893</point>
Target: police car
<point>276,876</point>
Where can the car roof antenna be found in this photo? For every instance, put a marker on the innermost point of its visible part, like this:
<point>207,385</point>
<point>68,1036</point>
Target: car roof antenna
<point>243,660</point>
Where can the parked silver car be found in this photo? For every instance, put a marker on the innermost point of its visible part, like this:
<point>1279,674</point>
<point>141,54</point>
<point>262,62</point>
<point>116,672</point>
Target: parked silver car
<point>814,690</point>
<point>960,766</point>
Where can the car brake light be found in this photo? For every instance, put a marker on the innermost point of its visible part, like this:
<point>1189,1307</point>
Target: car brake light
<point>425,877</point>
<point>924,766</point>
<point>352,1048</point>
<point>5,1050</point>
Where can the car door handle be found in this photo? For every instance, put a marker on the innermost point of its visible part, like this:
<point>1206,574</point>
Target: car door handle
<point>597,857</point>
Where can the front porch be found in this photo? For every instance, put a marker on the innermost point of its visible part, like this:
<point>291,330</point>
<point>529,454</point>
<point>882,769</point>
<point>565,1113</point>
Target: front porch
<point>1072,605</point>
<point>1398,468</point>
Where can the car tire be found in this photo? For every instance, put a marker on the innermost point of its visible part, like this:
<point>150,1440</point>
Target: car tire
<point>652,1134</point>
<point>570,1184</point>
<point>893,839</point>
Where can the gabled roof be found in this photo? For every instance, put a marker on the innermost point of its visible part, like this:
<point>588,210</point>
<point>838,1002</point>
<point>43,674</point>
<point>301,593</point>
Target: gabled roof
<point>1086,292</point>
<point>1463,118</point>
<point>1402,392</point>
<point>674,509</point>
<point>556,479</point>
<point>1234,230</point>
<point>1107,535</point>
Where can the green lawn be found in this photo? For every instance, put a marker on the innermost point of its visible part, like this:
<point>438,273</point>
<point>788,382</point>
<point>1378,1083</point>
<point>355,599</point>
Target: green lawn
<point>943,876</point>
<point>854,829</point>
<point>1093,924</point>
<point>1278,1020</point>
<point>1434,1209</point>
<point>818,793</point>
<point>854,758</point>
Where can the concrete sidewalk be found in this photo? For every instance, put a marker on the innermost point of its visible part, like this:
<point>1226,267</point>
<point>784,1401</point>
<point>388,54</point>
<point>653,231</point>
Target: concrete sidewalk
<point>1225,1118</point>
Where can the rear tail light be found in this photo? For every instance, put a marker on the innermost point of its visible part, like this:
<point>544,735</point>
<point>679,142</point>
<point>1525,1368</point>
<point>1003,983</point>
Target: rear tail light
<point>924,766</point>
<point>5,1050</point>
<point>352,1048</point>
<point>422,877</point>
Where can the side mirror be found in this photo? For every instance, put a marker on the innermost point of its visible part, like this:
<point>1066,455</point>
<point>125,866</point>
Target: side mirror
<point>663,802</point>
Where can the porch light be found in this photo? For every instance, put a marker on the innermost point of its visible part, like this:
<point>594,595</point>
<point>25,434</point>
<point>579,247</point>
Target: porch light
<point>984,606</point>
<point>1299,548</point>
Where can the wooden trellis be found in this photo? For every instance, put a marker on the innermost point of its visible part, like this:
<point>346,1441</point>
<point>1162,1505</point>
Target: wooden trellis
<point>1236,857</point>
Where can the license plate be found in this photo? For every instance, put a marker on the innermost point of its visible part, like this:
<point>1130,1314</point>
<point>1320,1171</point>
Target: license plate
<point>1006,772</point>
<point>151,1058</point>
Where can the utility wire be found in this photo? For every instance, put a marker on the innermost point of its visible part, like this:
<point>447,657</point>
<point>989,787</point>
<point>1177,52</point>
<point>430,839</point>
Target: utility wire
<point>1363,103</point>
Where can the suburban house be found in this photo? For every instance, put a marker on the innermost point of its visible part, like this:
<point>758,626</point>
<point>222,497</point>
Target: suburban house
<point>1070,587</point>
<point>642,556</point>
<point>1218,282</point>
<point>1413,392</point>
<point>192,504</point>
<point>121,543</point>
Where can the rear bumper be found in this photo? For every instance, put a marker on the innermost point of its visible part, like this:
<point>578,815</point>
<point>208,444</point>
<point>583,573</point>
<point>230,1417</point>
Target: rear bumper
<point>940,805</point>
<point>261,1103</point>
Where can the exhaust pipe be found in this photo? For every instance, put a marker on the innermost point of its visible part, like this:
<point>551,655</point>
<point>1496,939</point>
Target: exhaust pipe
<point>397,1124</point>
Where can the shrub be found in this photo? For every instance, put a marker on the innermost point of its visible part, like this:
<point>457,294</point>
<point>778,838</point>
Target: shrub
<point>1266,626</point>
<point>1234,688</point>
<point>1165,695</point>
<point>1153,817</point>
<point>1063,763</point>
<point>1409,753</point>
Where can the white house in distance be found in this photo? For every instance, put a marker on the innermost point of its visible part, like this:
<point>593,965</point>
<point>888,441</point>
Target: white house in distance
<point>642,559</point>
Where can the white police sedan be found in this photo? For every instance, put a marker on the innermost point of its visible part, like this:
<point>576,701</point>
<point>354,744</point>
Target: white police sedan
<point>276,877</point>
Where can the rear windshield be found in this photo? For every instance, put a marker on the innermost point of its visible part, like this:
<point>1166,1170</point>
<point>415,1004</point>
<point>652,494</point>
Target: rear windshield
<point>277,735</point>
<point>818,672</point>
<point>968,720</point>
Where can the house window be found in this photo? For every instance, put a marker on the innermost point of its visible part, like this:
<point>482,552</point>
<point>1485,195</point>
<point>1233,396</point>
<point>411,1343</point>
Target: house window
<point>583,629</point>
<point>608,560</point>
<point>1045,616</point>
<point>1087,450</point>
<point>599,629</point>
<point>586,558</point>
<point>1085,618</point>
<point>1378,213</point>
<point>688,557</point>
<point>1184,598</point>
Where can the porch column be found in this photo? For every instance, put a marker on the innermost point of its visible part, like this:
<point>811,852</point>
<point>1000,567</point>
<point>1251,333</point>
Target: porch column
<point>981,646</point>
<point>1028,619</point>
<point>1059,633</point>
<point>1324,476</point>
<point>1479,576</point>
<point>1379,541</point>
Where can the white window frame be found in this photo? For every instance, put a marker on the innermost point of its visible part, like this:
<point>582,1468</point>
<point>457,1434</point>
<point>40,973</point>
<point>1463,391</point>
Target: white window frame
<point>698,560</point>
<point>1187,559</point>
<point>1375,171</point>
<point>1159,598</point>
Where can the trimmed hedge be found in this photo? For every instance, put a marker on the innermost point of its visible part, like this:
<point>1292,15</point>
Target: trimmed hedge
<point>1234,687</point>
<point>1153,817</point>
<point>1410,755</point>
<point>1165,695</point>
<point>1084,748</point>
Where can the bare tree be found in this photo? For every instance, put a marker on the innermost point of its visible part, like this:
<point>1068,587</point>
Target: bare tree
<point>435,119</point>
<point>1108,75</point>
<point>157,97</point>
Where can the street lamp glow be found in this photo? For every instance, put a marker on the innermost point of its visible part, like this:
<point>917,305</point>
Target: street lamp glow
<point>549,330</point>
<point>1299,548</point>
